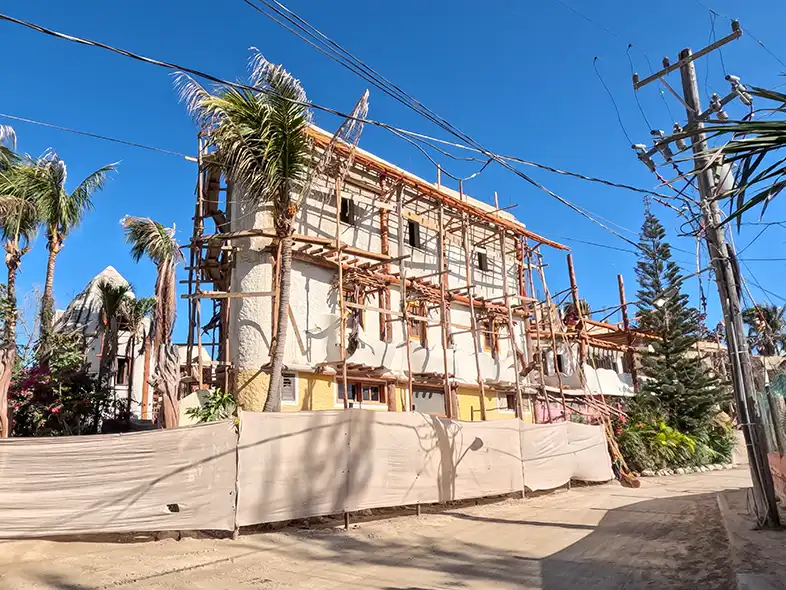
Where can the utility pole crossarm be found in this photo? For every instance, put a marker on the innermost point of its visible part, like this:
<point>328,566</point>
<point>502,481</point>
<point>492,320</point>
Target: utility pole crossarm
<point>736,33</point>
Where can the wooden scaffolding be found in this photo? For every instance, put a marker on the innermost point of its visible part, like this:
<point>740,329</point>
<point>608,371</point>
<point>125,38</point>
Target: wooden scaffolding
<point>460,227</point>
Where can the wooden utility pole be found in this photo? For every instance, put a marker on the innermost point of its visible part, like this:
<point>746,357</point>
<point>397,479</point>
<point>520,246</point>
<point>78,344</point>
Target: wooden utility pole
<point>728,282</point>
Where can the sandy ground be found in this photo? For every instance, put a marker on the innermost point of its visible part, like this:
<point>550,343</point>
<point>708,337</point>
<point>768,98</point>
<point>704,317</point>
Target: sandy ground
<point>666,534</point>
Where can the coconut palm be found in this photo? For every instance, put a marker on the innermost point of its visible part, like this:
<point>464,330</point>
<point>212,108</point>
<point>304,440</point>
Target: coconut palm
<point>61,212</point>
<point>19,221</point>
<point>756,147</point>
<point>151,239</point>
<point>767,328</point>
<point>265,151</point>
<point>113,305</point>
<point>7,146</point>
<point>135,313</point>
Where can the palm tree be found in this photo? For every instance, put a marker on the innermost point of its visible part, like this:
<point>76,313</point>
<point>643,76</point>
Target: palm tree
<point>767,328</point>
<point>19,221</point>
<point>264,149</point>
<point>755,146</point>
<point>113,305</point>
<point>61,212</point>
<point>136,311</point>
<point>153,240</point>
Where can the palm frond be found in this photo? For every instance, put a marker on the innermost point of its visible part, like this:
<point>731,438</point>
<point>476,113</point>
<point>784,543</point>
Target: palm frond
<point>150,238</point>
<point>113,297</point>
<point>19,212</point>
<point>262,138</point>
<point>8,137</point>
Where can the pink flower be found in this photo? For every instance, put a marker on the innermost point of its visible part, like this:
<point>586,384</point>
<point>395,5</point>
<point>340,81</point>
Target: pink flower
<point>57,409</point>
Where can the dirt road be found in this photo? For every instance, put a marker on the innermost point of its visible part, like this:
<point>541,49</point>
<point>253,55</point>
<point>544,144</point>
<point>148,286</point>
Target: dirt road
<point>667,534</point>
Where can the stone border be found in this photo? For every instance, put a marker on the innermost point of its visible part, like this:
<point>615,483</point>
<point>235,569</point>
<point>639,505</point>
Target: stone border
<point>685,470</point>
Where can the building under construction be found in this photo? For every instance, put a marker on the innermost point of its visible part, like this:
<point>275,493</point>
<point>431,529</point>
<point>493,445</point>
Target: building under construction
<point>406,295</point>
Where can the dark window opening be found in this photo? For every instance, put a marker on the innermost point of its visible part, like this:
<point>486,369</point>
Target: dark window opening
<point>347,214</point>
<point>511,401</point>
<point>121,371</point>
<point>560,363</point>
<point>483,261</point>
<point>413,233</point>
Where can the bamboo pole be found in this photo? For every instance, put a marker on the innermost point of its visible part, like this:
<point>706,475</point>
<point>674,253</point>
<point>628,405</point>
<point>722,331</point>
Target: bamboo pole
<point>574,291</point>
<point>511,331</point>
<point>192,267</point>
<point>538,348</point>
<point>629,336</point>
<point>549,302</point>
<point>473,320</point>
<point>402,268</point>
<point>341,302</point>
<point>443,315</point>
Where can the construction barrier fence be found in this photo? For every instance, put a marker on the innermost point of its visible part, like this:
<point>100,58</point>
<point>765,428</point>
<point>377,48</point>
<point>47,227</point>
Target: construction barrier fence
<point>272,467</point>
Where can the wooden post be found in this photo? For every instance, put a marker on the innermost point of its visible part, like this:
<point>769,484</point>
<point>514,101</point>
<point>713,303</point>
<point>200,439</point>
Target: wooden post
<point>384,294</point>
<point>341,305</point>
<point>192,263</point>
<point>538,349</point>
<point>511,331</point>
<point>574,291</point>
<point>402,268</point>
<point>199,224</point>
<point>550,304</point>
<point>473,319</point>
<point>450,409</point>
<point>629,336</point>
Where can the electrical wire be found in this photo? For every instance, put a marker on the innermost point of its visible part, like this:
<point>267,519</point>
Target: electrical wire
<point>635,93</point>
<point>429,114</point>
<point>98,136</point>
<point>614,102</point>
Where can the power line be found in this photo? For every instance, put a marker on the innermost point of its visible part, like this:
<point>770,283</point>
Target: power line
<point>98,136</point>
<point>614,102</point>
<point>441,122</point>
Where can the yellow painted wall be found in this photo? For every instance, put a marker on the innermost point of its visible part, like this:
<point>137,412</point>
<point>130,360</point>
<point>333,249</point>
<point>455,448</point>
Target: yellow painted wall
<point>469,406</point>
<point>315,391</point>
<point>401,398</point>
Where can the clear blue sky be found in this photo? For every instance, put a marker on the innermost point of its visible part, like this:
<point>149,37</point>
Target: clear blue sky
<point>515,75</point>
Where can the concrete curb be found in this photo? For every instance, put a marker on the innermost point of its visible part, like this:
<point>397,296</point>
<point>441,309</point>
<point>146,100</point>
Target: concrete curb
<point>742,581</point>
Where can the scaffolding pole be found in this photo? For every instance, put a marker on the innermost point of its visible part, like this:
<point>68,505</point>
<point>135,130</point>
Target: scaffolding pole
<point>550,304</point>
<point>511,331</point>
<point>473,319</point>
<point>536,313</point>
<point>443,313</point>
<point>402,271</point>
<point>341,303</point>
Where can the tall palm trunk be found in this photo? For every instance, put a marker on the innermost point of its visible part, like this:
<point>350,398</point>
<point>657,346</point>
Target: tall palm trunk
<point>54,244</point>
<point>131,362</point>
<point>8,352</point>
<point>273,401</point>
<point>166,376</point>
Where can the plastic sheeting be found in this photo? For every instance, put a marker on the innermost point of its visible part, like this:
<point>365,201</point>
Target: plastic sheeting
<point>285,466</point>
<point>180,479</point>
<point>309,464</point>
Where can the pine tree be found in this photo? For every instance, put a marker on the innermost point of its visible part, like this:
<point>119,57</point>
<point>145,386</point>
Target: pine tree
<point>678,387</point>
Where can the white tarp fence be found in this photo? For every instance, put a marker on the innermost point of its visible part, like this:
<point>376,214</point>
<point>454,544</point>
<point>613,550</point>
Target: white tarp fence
<point>283,466</point>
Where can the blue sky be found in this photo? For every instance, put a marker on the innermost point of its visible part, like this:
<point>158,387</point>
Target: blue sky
<point>517,76</point>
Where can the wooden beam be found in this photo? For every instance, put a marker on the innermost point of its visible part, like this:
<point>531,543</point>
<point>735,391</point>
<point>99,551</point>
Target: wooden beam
<point>227,294</point>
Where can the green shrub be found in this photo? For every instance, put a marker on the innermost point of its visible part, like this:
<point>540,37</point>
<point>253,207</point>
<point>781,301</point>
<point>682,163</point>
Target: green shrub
<point>654,445</point>
<point>216,405</point>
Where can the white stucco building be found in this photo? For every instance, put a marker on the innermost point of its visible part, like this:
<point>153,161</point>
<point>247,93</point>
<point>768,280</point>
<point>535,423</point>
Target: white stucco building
<point>389,223</point>
<point>84,315</point>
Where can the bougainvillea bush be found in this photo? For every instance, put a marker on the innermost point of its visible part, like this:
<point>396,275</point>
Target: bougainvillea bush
<point>56,396</point>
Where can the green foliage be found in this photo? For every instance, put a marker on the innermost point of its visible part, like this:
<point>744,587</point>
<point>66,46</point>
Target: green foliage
<point>654,445</point>
<point>216,405</point>
<point>57,397</point>
<point>150,238</point>
<point>766,328</point>
<point>262,139</point>
<point>676,386</point>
